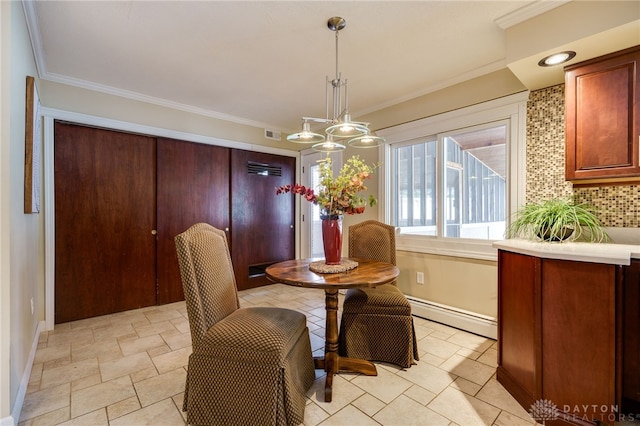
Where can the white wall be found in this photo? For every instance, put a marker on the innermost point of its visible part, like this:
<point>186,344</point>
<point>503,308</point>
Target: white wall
<point>22,242</point>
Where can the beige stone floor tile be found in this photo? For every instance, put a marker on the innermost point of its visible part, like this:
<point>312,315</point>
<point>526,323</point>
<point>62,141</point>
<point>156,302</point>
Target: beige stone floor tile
<point>160,387</point>
<point>123,407</point>
<point>386,386</point>
<point>463,409</point>
<point>159,414</point>
<point>95,418</point>
<point>85,382</point>
<point>429,377</point>
<point>147,373</point>
<point>155,328</point>
<point>466,386</point>
<point>419,394</point>
<point>495,394</point>
<point>317,342</point>
<point>172,360</point>
<point>50,353</point>
<point>438,347</point>
<point>45,401</point>
<point>469,369</point>
<point>349,415</point>
<point>51,418</point>
<point>160,350</point>
<point>470,341</point>
<point>141,344</point>
<point>343,394</point>
<point>78,337</point>
<point>112,331</point>
<point>103,350</point>
<point>103,320</point>
<point>36,375</point>
<point>508,419</point>
<point>314,415</point>
<point>68,373</point>
<point>489,357</point>
<point>159,315</point>
<point>178,340</point>
<point>182,325</point>
<point>124,366</point>
<point>102,395</point>
<point>368,404</point>
<point>405,411</point>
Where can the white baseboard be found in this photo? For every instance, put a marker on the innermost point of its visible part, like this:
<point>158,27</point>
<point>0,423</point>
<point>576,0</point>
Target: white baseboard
<point>459,318</point>
<point>22,390</point>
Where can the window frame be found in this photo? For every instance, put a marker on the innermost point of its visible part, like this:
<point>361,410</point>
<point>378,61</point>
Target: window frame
<point>513,109</point>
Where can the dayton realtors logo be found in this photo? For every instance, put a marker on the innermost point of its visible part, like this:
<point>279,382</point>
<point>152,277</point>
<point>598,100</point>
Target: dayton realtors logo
<point>543,410</point>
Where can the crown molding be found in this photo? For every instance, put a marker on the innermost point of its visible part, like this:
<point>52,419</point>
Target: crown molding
<point>527,12</point>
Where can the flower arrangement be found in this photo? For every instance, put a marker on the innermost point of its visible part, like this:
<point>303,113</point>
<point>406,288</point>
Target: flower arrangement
<point>337,196</point>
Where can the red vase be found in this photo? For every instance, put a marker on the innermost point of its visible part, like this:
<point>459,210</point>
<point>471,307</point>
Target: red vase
<point>332,239</point>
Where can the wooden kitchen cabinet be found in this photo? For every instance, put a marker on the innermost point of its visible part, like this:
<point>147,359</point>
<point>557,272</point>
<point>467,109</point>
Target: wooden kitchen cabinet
<point>602,102</point>
<point>560,336</point>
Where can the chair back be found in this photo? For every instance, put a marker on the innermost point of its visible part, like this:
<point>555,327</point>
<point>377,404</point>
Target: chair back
<point>373,240</point>
<point>207,277</point>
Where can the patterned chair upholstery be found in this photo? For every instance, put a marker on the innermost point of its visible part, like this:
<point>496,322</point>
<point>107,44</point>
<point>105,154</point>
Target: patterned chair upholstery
<point>376,322</point>
<point>249,366</point>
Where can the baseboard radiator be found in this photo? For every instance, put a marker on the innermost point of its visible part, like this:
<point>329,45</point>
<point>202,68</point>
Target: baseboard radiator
<point>459,318</point>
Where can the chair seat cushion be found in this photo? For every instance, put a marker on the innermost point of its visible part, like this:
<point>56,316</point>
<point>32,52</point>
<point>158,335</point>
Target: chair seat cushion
<point>263,334</point>
<point>386,299</point>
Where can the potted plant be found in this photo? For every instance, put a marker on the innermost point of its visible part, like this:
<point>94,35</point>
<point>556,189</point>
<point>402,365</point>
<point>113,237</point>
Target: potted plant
<point>557,219</point>
<point>336,197</point>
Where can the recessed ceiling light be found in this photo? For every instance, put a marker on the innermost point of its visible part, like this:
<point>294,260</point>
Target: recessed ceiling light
<point>557,58</point>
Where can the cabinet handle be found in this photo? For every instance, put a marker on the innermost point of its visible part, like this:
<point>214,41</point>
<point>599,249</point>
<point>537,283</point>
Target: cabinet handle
<point>291,226</point>
<point>154,232</point>
<point>226,229</point>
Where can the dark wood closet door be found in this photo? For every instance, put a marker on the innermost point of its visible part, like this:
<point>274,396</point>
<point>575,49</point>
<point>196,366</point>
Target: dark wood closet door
<point>104,217</point>
<point>193,186</point>
<point>262,225</point>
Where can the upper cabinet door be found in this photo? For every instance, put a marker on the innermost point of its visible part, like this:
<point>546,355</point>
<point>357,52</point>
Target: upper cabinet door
<point>603,117</point>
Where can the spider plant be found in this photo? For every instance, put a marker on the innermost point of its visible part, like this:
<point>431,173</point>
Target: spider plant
<point>556,220</point>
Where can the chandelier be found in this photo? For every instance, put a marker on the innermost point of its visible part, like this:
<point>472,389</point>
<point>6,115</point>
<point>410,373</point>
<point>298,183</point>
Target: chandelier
<point>340,127</point>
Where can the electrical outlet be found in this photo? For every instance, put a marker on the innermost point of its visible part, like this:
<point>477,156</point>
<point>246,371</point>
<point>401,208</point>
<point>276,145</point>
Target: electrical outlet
<point>420,277</point>
<point>32,306</point>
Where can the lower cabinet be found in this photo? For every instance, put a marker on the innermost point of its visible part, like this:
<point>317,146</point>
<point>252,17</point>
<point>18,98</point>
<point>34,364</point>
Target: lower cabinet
<point>568,338</point>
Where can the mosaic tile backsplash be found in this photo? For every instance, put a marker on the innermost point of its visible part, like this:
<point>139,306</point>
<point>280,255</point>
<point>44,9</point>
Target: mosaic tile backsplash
<point>618,206</point>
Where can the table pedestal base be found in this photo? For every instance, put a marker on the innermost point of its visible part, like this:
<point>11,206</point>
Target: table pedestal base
<point>332,363</point>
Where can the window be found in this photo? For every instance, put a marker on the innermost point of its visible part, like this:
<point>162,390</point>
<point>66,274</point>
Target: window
<point>451,181</point>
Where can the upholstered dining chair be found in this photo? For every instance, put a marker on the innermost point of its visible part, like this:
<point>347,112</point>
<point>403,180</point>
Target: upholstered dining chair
<point>249,366</point>
<point>376,323</point>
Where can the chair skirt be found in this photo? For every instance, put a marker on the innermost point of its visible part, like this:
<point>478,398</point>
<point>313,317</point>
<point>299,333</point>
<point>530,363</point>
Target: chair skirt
<point>260,380</point>
<point>377,325</point>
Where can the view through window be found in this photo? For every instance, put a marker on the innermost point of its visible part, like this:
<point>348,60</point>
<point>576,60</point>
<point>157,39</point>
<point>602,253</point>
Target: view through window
<point>458,177</point>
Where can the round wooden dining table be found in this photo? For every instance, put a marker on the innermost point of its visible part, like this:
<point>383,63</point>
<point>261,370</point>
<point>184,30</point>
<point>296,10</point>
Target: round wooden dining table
<point>368,273</point>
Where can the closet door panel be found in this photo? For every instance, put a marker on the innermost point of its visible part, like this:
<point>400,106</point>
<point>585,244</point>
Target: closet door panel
<point>104,216</point>
<point>262,224</point>
<point>193,186</point>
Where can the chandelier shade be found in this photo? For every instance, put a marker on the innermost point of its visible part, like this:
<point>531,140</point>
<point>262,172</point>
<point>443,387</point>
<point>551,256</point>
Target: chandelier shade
<point>329,145</point>
<point>339,124</point>
<point>306,135</point>
<point>369,140</point>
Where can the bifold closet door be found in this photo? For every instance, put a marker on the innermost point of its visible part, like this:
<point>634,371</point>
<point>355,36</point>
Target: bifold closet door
<point>105,258</point>
<point>262,224</point>
<point>193,186</point>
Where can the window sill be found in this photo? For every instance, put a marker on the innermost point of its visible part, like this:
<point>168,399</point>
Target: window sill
<point>455,247</point>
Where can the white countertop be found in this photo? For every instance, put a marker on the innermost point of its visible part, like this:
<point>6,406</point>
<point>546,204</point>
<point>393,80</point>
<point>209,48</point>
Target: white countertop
<point>616,254</point>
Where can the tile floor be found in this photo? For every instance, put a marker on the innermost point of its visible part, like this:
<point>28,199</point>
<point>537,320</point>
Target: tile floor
<point>129,369</point>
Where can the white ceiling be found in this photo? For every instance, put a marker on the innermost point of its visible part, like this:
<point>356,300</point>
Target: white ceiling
<point>264,63</point>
